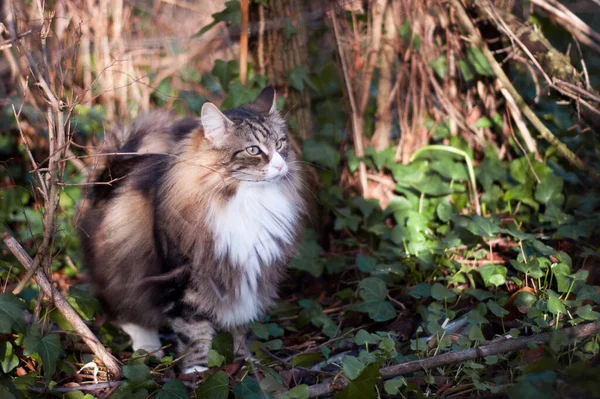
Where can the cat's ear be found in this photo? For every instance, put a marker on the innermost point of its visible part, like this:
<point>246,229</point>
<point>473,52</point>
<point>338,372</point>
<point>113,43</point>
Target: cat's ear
<point>265,102</point>
<point>215,124</point>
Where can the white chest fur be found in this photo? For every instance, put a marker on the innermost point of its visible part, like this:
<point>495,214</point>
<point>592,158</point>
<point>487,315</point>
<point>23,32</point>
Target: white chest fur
<point>249,230</point>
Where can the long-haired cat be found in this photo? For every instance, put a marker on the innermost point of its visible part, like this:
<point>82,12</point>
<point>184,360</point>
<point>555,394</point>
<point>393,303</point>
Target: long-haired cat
<point>192,224</point>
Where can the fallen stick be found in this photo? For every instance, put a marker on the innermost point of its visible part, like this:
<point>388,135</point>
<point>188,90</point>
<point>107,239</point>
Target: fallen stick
<point>64,307</point>
<point>503,346</point>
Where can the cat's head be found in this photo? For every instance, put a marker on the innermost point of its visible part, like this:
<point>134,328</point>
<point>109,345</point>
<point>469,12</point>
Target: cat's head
<point>252,139</point>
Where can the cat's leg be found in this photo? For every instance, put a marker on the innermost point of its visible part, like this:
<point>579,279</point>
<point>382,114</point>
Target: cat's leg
<point>194,340</point>
<point>240,342</point>
<point>143,338</point>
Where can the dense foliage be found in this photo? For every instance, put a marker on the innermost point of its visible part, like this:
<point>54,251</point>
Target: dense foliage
<point>469,243</point>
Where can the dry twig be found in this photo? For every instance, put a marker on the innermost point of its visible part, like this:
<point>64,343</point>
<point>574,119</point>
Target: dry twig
<point>63,306</point>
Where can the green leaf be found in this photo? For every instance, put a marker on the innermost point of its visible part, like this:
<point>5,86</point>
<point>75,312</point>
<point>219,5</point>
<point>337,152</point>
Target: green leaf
<point>466,70</point>
<point>366,263</point>
<point>363,337</point>
<point>297,77</point>
<point>215,359</point>
<point>439,66</point>
<point>550,190</point>
<point>297,392</point>
<point>496,309</point>
<point>308,257</point>
<point>479,62</point>
<point>422,290</point>
<point>483,123</point>
<point>352,367</point>
<point>83,302</point>
<point>11,313</point>
<point>322,153</point>
<point>225,72</point>
<point>249,389</point>
<point>173,389</point>
<point>493,274</point>
<point>392,387</point>
<point>484,227</point>
<point>475,333</point>
<point>48,347</point>
<point>223,343</point>
<point>387,345</point>
<point>260,330</point>
<point>378,310</point>
<point>216,386</point>
<point>372,289</point>
<point>440,293</point>
<point>8,359</point>
<point>138,376</point>
<point>480,295</point>
<point>586,313</point>
<point>445,210</point>
<point>555,306</point>
<point>363,386</point>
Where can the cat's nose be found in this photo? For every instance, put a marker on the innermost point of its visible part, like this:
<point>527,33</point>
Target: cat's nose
<point>278,167</point>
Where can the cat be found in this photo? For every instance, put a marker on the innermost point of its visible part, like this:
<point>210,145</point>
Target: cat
<point>191,226</point>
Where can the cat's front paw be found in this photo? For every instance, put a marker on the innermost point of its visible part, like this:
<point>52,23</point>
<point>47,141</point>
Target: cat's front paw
<point>194,370</point>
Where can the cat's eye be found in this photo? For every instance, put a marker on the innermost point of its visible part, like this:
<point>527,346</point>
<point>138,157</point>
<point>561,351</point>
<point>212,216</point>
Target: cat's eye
<point>253,150</point>
<point>280,143</point>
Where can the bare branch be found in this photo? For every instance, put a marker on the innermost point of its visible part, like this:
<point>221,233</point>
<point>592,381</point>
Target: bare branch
<point>63,306</point>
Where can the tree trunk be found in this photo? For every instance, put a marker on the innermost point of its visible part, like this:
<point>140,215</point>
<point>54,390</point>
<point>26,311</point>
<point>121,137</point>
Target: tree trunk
<point>287,49</point>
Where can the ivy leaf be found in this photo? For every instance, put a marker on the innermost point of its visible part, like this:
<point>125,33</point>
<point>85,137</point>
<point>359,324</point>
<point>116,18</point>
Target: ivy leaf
<point>496,309</point>
<point>309,256</point>
<point>298,392</point>
<point>249,389</point>
<point>363,386</point>
<point>352,367</point>
<point>297,77</point>
<point>586,313</point>
<point>439,66</point>
<point>11,313</point>
<point>392,387</point>
<point>475,333</point>
<point>445,210</point>
<point>363,337</point>
<point>366,263</point>
<point>48,347</point>
<point>372,289</point>
<point>223,344</point>
<point>8,359</point>
<point>83,302</point>
<point>440,293</point>
<point>215,359</point>
<point>225,72</point>
<point>479,62</point>
<point>484,227</point>
<point>321,152</point>
<point>493,274</point>
<point>216,386</point>
<point>260,330</point>
<point>422,290</point>
<point>550,190</point>
<point>378,310</point>
<point>173,389</point>
<point>466,70</point>
<point>480,295</point>
<point>555,306</point>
